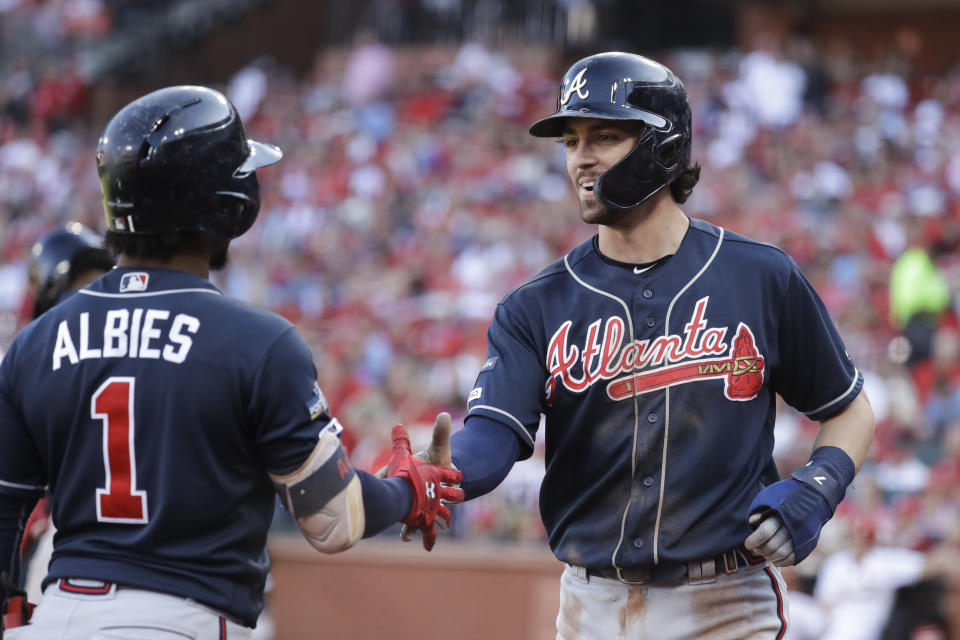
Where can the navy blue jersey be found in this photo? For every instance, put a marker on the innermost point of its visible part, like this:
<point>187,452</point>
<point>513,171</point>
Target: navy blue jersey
<point>152,407</point>
<point>657,390</point>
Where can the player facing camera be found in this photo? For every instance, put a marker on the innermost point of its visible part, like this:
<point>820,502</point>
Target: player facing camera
<point>630,88</point>
<point>649,358</point>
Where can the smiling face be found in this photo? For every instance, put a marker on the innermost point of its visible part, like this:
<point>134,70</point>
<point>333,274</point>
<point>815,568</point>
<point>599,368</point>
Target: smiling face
<point>593,146</point>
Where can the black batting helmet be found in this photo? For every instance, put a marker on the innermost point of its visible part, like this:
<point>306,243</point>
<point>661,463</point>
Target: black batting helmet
<point>177,159</point>
<point>626,86</point>
<point>58,257</point>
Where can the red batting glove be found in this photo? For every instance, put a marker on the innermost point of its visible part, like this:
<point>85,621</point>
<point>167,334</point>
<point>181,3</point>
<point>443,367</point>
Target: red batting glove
<point>428,482</point>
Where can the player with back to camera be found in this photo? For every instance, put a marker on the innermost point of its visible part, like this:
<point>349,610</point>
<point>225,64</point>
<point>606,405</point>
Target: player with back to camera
<point>653,352</point>
<point>182,413</point>
<point>63,260</point>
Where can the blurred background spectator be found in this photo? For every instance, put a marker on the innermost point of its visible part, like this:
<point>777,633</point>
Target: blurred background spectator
<point>411,198</point>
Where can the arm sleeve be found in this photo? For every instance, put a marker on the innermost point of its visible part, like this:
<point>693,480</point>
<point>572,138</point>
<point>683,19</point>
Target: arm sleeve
<point>484,451</point>
<point>385,502</point>
<point>14,510</point>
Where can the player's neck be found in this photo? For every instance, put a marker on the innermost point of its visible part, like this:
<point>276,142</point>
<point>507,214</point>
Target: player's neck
<point>189,263</point>
<point>648,233</point>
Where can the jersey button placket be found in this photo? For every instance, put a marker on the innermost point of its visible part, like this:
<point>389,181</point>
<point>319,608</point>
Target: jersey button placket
<point>647,294</point>
<point>639,542</point>
<point>651,322</point>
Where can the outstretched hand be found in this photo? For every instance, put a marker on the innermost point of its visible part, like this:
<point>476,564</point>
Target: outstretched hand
<point>429,481</point>
<point>437,453</point>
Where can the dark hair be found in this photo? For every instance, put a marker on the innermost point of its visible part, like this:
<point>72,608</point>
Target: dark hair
<point>682,187</point>
<point>93,258</point>
<point>151,245</point>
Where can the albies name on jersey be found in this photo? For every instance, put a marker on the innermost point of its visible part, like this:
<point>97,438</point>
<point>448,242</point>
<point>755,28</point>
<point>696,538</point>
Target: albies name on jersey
<point>125,333</point>
<point>649,365</point>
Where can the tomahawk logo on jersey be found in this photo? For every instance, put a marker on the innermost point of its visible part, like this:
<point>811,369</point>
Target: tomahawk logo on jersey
<point>661,362</point>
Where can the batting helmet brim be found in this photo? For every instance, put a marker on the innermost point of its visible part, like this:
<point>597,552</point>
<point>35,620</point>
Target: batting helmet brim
<point>262,154</point>
<point>552,126</point>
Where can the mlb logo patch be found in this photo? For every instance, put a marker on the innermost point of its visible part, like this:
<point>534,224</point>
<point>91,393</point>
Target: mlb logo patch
<point>136,281</point>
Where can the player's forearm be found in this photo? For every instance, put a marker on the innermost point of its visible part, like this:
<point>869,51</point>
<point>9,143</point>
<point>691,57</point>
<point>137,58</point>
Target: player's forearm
<point>13,516</point>
<point>385,502</point>
<point>484,451</point>
<point>852,430</point>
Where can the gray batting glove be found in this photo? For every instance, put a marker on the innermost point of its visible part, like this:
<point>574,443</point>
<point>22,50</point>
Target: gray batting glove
<point>770,539</point>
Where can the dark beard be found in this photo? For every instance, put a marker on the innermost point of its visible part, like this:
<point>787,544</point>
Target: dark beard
<point>598,213</point>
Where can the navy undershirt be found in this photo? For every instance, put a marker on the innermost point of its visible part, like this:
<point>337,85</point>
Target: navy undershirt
<point>385,502</point>
<point>484,451</point>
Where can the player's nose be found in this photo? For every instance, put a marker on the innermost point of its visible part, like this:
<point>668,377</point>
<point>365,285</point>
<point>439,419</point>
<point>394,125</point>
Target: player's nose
<point>580,157</point>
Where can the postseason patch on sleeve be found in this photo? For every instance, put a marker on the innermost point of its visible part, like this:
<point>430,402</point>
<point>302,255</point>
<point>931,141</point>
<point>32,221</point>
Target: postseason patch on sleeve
<point>317,404</point>
<point>489,363</point>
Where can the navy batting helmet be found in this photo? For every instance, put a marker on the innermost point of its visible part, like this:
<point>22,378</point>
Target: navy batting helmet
<point>626,86</point>
<point>177,159</point>
<point>59,257</point>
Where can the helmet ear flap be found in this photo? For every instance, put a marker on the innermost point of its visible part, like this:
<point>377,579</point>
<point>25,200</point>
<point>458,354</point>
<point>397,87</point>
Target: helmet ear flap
<point>668,150</point>
<point>235,212</point>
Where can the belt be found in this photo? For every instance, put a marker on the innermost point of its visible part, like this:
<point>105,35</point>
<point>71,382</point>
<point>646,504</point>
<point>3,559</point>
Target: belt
<point>674,573</point>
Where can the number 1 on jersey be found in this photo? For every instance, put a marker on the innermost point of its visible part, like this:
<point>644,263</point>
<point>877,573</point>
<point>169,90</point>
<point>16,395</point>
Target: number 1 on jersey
<point>119,501</point>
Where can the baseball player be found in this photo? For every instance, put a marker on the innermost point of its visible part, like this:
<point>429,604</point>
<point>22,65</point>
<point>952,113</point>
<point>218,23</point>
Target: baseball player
<point>62,261</point>
<point>648,358</point>
<point>163,417</point>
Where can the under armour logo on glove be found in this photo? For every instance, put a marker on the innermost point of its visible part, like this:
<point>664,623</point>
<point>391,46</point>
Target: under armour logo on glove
<point>430,485</point>
<point>802,504</point>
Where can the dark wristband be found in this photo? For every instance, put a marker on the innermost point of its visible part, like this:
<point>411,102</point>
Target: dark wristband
<point>829,471</point>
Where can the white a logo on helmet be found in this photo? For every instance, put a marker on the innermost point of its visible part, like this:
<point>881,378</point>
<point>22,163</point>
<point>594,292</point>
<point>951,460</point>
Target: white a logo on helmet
<point>578,84</point>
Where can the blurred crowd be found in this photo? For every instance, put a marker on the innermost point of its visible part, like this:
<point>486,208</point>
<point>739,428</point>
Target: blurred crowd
<point>411,198</point>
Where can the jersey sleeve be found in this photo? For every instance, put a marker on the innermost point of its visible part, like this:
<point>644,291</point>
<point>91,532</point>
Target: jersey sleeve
<point>816,375</point>
<point>289,409</point>
<point>21,470</point>
<point>510,385</point>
